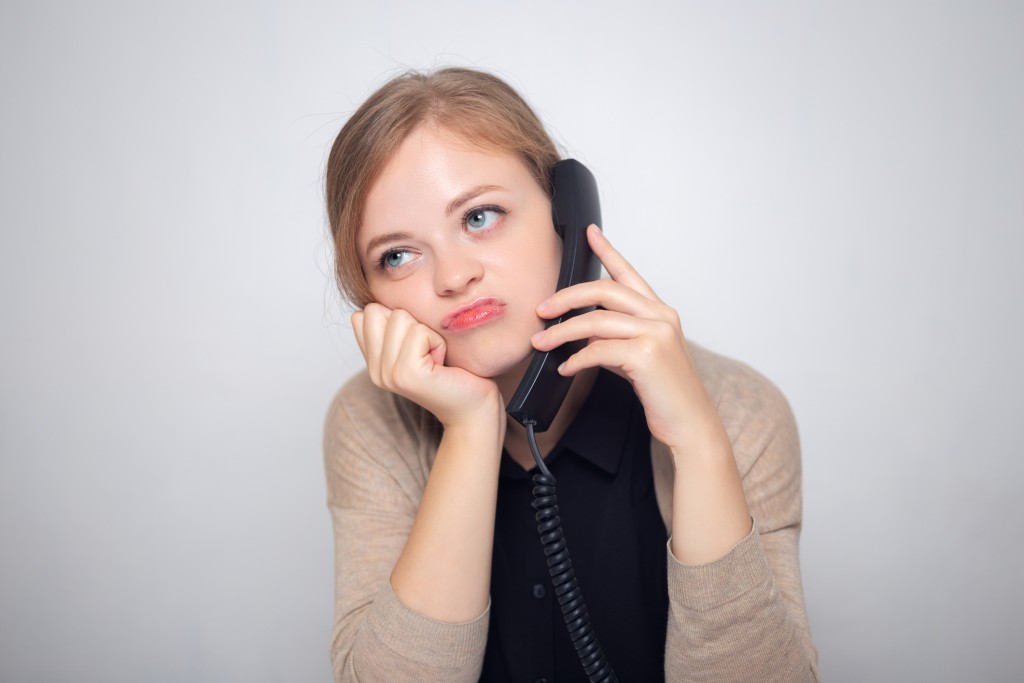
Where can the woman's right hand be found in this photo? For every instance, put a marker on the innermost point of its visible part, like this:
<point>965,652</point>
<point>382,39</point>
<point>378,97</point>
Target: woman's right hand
<point>406,357</point>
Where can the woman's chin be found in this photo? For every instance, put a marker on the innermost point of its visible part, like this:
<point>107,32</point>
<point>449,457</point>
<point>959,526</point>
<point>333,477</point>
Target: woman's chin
<point>492,366</point>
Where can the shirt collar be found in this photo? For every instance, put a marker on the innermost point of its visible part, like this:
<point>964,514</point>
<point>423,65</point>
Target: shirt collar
<point>598,432</point>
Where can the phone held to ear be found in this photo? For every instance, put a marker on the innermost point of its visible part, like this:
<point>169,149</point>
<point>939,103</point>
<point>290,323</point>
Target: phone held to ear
<point>574,206</point>
<point>536,401</point>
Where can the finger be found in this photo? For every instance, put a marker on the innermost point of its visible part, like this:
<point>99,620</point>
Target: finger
<point>357,330</point>
<point>395,333</point>
<point>375,320</point>
<point>438,347</point>
<point>595,324</point>
<point>617,266</point>
<point>422,346</point>
<point>605,293</point>
<point>439,351</point>
<point>613,354</point>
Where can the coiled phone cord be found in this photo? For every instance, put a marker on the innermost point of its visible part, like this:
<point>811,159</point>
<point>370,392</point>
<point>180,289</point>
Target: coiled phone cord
<point>570,597</point>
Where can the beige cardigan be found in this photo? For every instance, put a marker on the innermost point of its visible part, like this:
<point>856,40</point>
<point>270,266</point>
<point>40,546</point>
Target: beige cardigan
<point>739,618</point>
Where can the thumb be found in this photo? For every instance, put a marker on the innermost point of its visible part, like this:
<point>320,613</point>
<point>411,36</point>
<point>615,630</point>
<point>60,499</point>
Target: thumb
<point>437,347</point>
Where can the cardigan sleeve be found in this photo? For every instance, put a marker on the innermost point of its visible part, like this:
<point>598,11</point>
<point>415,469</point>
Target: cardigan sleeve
<point>375,479</point>
<point>742,617</point>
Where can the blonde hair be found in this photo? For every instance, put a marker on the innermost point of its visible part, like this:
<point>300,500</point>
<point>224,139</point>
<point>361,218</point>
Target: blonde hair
<point>480,107</point>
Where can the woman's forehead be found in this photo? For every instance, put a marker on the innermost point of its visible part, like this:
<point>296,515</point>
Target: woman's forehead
<point>429,171</point>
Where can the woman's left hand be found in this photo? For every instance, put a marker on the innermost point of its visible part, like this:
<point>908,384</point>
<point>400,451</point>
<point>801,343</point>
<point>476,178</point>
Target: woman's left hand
<point>638,337</point>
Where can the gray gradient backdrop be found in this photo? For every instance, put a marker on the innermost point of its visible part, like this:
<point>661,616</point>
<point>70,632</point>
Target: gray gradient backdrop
<point>833,192</point>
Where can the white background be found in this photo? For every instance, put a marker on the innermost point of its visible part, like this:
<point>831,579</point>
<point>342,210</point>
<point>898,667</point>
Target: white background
<point>832,192</point>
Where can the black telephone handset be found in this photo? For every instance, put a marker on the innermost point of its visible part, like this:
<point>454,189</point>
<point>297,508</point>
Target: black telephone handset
<point>574,206</point>
<point>536,401</point>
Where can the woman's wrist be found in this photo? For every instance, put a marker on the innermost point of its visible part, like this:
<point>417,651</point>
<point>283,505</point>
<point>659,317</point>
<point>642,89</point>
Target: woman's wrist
<point>704,439</point>
<point>484,423</point>
<point>710,513</point>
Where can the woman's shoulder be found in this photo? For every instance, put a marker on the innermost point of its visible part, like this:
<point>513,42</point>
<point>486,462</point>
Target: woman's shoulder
<point>733,380</point>
<point>752,408</point>
<point>364,417</point>
<point>361,398</point>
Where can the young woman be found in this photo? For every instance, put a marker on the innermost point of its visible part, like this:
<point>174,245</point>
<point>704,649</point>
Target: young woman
<point>679,472</point>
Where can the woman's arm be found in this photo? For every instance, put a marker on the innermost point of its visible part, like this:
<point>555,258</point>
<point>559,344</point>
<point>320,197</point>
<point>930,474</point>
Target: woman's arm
<point>639,337</point>
<point>742,616</point>
<point>715,550</point>
<point>444,569</point>
<point>437,541</point>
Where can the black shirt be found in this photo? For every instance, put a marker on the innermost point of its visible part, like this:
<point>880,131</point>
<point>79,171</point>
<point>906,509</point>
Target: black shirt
<point>617,540</point>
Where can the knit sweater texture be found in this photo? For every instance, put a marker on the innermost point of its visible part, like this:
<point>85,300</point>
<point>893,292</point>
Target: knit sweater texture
<point>738,618</point>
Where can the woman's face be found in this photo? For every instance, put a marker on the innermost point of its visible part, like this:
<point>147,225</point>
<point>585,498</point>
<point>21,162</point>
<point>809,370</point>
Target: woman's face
<point>462,239</point>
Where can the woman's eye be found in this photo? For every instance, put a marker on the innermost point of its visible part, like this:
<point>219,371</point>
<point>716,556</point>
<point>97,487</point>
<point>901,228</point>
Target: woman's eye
<point>394,259</point>
<point>483,218</point>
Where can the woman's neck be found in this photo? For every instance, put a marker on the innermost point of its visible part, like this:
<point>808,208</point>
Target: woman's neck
<point>515,434</point>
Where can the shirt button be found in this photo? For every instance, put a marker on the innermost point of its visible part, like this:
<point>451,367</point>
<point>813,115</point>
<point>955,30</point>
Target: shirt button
<point>539,592</point>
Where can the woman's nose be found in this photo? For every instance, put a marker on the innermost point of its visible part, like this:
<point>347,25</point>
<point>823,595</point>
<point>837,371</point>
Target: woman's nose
<point>455,270</point>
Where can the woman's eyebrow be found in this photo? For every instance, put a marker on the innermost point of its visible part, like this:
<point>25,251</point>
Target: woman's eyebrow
<point>452,207</point>
<point>469,194</point>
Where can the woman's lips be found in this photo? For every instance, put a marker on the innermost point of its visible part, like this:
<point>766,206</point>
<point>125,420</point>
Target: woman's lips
<point>475,314</point>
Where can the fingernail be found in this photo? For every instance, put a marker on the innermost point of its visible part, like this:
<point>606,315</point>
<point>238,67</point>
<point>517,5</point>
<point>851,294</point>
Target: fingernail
<point>560,368</point>
<point>543,305</point>
<point>537,336</point>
